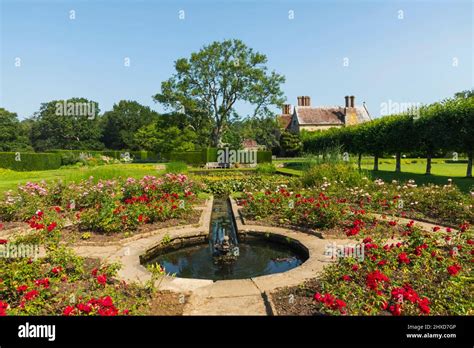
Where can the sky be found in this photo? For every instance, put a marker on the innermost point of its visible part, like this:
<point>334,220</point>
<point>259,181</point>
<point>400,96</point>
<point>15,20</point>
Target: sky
<point>383,52</point>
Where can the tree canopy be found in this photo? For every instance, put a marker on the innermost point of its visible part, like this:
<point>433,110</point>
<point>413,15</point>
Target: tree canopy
<point>212,81</point>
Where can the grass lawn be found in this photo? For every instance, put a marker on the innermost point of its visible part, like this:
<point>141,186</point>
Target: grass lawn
<point>412,168</point>
<point>10,179</point>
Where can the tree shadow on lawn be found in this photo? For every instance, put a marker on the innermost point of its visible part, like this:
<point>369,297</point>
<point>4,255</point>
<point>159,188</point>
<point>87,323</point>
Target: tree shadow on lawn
<point>465,184</point>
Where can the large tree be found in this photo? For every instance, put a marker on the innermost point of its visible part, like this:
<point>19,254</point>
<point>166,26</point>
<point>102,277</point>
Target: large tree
<point>13,134</point>
<point>217,77</point>
<point>169,133</point>
<point>121,123</point>
<point>71,124</point>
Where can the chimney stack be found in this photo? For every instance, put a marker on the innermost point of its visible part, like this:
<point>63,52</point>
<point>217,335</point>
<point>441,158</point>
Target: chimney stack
<point>347,101</point>
<point>352,101</point>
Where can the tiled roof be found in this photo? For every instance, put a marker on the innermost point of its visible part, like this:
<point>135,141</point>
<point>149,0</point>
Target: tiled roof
<point>284,121</point>
<point>322,115</point>
<point>329,115</point>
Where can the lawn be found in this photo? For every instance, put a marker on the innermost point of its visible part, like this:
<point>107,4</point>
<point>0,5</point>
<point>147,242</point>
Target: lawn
<point>412,168</point>
<point>10,179</point>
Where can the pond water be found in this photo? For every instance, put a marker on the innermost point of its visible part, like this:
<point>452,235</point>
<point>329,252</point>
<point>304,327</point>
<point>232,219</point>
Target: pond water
<point>255,259</point>
<point>225,257</point>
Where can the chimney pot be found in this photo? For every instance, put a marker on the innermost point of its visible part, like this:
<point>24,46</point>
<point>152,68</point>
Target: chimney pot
<point>347,101</point>
<point>286,109</point>
<point>308,101</point>
<point>300,101</point>
<point>352,101</point>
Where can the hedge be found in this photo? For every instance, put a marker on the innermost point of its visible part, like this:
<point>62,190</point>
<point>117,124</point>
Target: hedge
<point>73,156</point>
<point>189,157</point>
<point>29,161</point>
<point>210,155</point>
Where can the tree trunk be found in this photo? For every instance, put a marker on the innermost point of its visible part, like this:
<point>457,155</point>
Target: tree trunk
<point>398,165</point>
<point>376,163</point>
<point>217,137</point>
<point>469,164</point>
<point>359,160</point>
<point>428,164</point>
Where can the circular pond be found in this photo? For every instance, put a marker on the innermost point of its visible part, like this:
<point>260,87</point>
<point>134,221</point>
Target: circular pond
<point>256,258</point>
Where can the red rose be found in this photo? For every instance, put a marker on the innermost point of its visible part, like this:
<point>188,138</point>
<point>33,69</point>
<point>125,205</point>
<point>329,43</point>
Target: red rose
<point>395,309</point>
<point>102,279</point>
<point>3,308</point>
<point>57,270</point>
<point>42,282</point>
<point>403,258</point>
<point>52,226</point>
<point>346,278</point>
<point>31,295</point>
<point>86,308</point>
<point>68,310</point>
<point>107,301</point>
<point>423,305</point>
<point>454,269</point>
<point>3,241</point>
<point>22,288</point>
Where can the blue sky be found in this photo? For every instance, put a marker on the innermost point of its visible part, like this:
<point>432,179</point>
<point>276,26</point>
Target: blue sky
<point>390,59</point>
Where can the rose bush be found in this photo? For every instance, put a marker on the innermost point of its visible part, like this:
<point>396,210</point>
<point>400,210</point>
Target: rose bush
<point>427,273</point>
<point>62,284</point>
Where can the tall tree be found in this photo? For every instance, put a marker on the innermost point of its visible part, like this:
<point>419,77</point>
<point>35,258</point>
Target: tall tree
<point>121,123</point>
<point>217,77</point>
<point>169,133</point>
<point>13,134</point>
<point>71,124</point>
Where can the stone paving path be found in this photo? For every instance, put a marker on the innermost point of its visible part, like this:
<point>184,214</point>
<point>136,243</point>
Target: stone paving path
<point>226,297</point>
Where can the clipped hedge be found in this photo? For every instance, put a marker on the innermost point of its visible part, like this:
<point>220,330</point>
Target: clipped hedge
<point>189,157</point>
<point>73,156</point>
<point>203,156</point>
<point>27,161</point>
<point>264,157</point>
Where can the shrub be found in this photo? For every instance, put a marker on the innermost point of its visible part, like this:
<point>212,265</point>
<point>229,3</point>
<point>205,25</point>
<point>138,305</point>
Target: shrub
<point>318,174</point>
<point>29,161</point>
<point>176,167</point>
<point>264,157</point>
<point>266,168</point>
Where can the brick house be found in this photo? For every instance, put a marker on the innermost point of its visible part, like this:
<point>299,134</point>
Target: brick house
<point>305,117</point>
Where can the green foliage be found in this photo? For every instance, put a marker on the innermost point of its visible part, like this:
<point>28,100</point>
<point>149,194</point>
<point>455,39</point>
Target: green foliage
<point>238,74</point>
<point>439,127</point>
<point>318,174</point>
<point>191,157</point>
<point>176,167</point>
<point>231,182</point>
<point>266,168</point>
<point>13,134</point>
<point>123,121</point>
<point>264,157</point>
<point>55,128</point>
<point>29,161</point>
<point>290,144</point>
<point>161,137</point>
